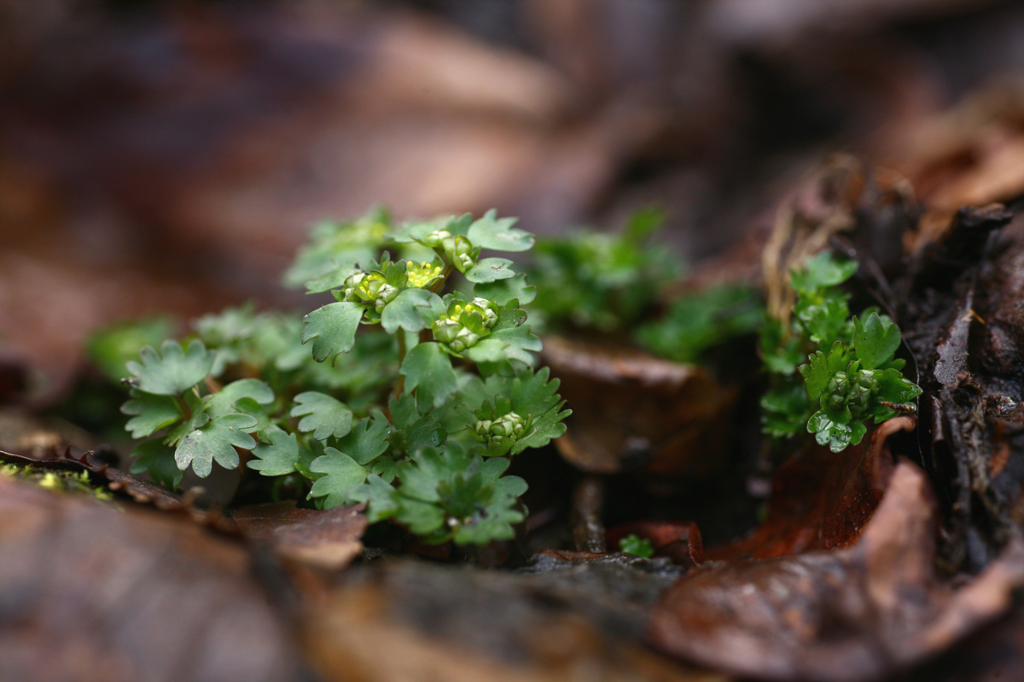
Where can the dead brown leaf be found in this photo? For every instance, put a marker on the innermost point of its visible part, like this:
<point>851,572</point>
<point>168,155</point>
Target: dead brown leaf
<point>323,538</point>
<point>570,620</point>
<point>90,591</point>
<point>856,614</point>
<point>634,411</point>
<point>820,499</point>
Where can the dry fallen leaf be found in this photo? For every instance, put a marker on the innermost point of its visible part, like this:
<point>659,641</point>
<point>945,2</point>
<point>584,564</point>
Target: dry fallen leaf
<point>856,614</point>
<point>820,499</point>
<point>323,538</point>
<point>90,591</point>
<point>565,619</point>
<point>634,411</point>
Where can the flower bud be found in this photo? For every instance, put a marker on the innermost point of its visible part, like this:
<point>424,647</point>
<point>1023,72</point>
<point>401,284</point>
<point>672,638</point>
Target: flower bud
<point>838,384</point>
<point>384,295</point>
<point>445,329</point>
<point>510,425</point>
<point>436,238</point>
<point>462,247</point>
<point>483,427</point>
<point>459,251</point>
<point>835,400</point>
<point>486,311</point>
<point>867,379</point>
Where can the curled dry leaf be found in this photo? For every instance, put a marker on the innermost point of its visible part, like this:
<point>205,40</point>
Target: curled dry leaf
<point>855,614</point>
<point>971,155</point>
<point>821,499</point>
<point>91,592</point>
<point>327,539</point>
<point>633,411</point>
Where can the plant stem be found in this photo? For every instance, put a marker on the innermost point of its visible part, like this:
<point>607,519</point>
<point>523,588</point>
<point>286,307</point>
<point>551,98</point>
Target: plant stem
<point>212,385</point>
<point>437,286</point>
<point>400,383</point>
<point>588,504</point>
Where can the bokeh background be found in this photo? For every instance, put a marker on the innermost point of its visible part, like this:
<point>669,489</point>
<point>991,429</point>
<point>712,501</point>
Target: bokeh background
<point>170,157</point>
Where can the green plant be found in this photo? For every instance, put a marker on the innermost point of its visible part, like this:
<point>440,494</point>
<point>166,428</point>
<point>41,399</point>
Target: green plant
<point>112,347</point>
<point>596,280</point>
<point>831,372</point>
<point>633,544</point>
<point>616,284</point>
<point>416,417</point>
<point>698,321</point>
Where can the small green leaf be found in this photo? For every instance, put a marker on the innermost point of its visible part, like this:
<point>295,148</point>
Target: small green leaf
<point>174,371</point>
<point>215,442</point>
<point>414,232</point>
<point>822,270</point>
<point>487,350</point>
<point>197,419</point>
<point>110,349</point>
<point>496,234</point>
<point>534,392</point>
<point>875,340</point>
<point>413,431</point>
<point>332,329</point>
<point>155,458</point>
<point>341,473</point>
<point>816,374</point>
<point>857,431</point>
<point>224,401</point>
<point>504,291</point>
<point>490,270</point>
<point>824,322</point>
<point>385,467</point>
<point>632,544</point>
<point>152,413</point>
<point>786,410</point>
<point>839,358</point>
<point>378,495</point>
<point>323,415</point>
<point>333,279</point>
<point>428,370</point>
<point>520,343</point>
<point>832,428</point>
<point>544,428</point>
<point>368,440</point>
<point>422,473</point>
<point>498,497</point>
<point>412,310</point>
<point>277,455</point>
<point>894,388</point>
<point>422,518</point>
<point>780,353</point>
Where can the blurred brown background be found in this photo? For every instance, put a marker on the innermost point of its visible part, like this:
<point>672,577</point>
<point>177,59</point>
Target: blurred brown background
<point>159,156</point>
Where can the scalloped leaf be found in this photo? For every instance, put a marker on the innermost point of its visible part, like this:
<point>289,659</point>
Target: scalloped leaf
<point>322,415</point>
<point>215,442</point>
<point>173,371</point>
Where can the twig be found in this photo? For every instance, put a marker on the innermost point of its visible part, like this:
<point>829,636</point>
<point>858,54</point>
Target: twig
<point>587,504</point>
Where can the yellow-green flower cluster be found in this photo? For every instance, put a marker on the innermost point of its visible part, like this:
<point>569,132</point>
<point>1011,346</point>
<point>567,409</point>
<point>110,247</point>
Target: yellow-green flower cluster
<point>465,324</point>
<point>372,288</point>
<point>421,275</point>
<point>509,425</point>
